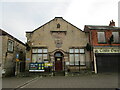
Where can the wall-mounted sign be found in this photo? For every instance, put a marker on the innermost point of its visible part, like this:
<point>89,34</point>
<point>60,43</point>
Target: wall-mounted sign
<point>107,50</point>
<point>17,60</point>
<point>17,56</point>
<point>36,67</point>
<point>48,64</point>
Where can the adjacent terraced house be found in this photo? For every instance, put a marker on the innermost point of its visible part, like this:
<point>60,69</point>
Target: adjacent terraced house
<point>105,43</point>
<point>13,54</point>
<point>59,42</point>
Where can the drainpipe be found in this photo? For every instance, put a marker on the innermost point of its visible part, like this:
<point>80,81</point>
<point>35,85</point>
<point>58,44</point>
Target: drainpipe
<point>95,65</point>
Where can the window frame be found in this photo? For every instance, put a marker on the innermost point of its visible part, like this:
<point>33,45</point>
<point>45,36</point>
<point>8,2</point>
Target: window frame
<point>73,53</point>
<point>118,37</point>
<point>99,42</point>
<point>10,51</point>
<point>39,52</point>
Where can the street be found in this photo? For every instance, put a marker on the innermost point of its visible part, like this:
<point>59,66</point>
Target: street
<point>82,81</point>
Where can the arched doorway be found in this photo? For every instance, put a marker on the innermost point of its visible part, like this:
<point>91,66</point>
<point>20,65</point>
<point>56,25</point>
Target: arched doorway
<point>58,61</point>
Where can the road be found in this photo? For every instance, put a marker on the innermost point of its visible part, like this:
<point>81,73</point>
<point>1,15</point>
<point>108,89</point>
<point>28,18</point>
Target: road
<point>82,81</point>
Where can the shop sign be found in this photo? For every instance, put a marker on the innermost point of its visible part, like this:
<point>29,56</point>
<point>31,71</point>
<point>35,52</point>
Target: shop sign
<point>107,50</point>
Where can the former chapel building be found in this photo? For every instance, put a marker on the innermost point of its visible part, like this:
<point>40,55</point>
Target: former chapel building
<point>60,43</point>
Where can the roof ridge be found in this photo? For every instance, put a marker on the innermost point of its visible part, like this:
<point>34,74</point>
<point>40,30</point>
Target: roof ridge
<point>50,21</point>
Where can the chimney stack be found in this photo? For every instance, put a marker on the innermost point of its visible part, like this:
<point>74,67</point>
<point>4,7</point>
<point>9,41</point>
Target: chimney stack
<point>112,23</point>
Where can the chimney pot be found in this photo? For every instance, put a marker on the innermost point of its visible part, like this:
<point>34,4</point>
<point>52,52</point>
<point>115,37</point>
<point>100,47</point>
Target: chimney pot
<point>112,23</point>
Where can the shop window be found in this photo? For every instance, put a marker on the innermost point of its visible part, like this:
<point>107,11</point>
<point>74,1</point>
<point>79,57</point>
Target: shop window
<point>76,55</point>
<point>10,45</point>
<point>101,37</point>
<point>116,37</point>
<point>39,54</point>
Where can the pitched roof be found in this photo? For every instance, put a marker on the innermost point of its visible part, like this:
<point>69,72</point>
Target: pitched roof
<point>52,20</point>
<point>3,33</point>
<point>100,27</point>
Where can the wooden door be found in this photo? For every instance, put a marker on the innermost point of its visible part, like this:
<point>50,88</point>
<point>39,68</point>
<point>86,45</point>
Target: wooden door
<point>58,64</point>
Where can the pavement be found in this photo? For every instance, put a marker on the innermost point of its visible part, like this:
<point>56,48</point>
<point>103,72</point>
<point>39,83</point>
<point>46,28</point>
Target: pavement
<point>108,80</point>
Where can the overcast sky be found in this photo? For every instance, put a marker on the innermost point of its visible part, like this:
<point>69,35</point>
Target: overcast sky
<point>19,16</point>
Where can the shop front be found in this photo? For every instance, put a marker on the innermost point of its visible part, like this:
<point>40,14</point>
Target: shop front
<point>106,59</point>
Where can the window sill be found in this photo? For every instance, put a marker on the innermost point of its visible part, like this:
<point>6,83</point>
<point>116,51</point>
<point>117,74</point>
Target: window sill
<point>77,65</point>
<point>116,43</point>
<point>10,51</point>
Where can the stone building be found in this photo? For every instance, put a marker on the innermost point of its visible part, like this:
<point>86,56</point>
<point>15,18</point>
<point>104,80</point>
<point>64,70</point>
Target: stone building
<point>105,43</point>
<point>13,54</point>
<point>59,42</point>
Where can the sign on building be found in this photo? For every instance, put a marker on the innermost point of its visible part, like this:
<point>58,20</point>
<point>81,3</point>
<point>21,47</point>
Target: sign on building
<point>36,67</point>
<point>107,50</point>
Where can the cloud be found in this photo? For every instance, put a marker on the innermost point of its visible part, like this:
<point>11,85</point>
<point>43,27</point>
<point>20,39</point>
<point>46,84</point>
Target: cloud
<point>92,12</point>
<point>26,16</point>
<point>19,16</point>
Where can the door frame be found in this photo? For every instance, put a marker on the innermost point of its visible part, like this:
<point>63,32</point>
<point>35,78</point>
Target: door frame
<point>61,56</point>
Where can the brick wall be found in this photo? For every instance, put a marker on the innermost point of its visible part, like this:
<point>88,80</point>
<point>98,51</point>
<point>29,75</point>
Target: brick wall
<point>108,34</point>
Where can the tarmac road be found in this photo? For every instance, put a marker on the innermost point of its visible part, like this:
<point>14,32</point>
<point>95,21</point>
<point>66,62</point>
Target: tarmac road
<point>82,81</point>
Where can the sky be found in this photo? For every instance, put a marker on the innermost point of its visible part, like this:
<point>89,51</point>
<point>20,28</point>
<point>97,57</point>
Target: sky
<point>19,16</point>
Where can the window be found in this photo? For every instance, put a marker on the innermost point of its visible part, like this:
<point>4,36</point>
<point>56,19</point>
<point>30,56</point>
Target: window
<point>58,25</point>
<point>82,51</point>
<point>116,37</point>
<point>39,50</point>
<point>35,50</point>
<point>76,59</point>
<point>10,45</point>
<point>71,59</point>
<point>76,50</point>
<point>76,55</point>
<point>101,37</point>
<point>71,50</point>
<point>82,59</point>
<point>39,54</point>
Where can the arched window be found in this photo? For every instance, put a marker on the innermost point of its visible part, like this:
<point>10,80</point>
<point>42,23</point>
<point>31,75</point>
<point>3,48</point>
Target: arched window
<point>58,25</point>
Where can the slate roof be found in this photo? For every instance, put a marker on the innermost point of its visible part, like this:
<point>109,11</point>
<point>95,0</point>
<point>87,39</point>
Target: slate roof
<point>3,33</point>
<point>100,27</point>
